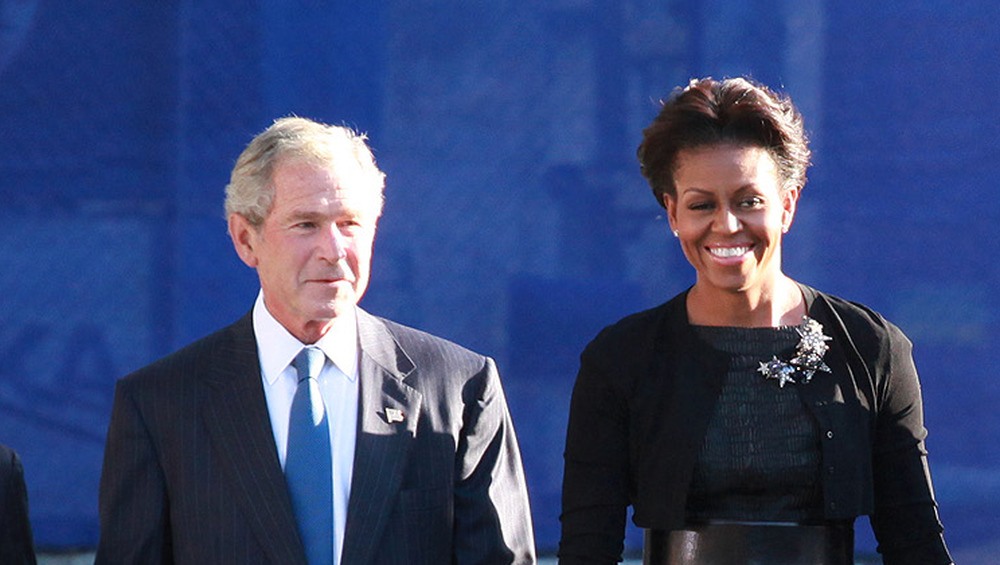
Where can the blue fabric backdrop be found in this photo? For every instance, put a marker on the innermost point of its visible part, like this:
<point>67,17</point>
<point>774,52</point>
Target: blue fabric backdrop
<point>516,220</point>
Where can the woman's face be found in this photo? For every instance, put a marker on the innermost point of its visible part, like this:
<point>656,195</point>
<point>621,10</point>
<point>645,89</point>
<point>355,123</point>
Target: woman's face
<point>729,213</point>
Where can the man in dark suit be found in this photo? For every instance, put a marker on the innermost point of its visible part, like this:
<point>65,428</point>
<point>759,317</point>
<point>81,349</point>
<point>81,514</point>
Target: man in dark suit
<point>16,544</point>
<point>212,453</point>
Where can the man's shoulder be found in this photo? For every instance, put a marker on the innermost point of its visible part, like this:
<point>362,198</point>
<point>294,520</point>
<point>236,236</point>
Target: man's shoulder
<point>198,356</point>
<point>423,347</point>
<point>413,339</point>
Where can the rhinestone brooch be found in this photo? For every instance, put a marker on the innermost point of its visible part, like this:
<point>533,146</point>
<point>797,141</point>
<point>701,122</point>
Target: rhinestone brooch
<point>808,357</point>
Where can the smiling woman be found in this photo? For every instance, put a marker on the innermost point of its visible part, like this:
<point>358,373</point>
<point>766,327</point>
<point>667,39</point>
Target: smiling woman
<point>752,418</point>
<point>729,212</point>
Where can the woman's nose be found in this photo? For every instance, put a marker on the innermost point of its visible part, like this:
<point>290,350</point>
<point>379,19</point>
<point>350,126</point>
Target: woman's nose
<point>726,221</point>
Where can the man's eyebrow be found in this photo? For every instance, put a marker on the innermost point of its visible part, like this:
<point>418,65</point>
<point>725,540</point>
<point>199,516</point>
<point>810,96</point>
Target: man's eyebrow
<point>314,215</point>
<point>304,215</point>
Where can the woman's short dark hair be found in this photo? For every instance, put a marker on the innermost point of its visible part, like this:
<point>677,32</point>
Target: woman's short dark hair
<point>711,112</point>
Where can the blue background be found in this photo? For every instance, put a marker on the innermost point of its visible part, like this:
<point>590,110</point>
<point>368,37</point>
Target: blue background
<point>516,220</point>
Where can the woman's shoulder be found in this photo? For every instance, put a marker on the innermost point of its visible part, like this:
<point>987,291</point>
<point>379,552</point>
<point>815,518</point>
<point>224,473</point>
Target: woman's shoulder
<point>858,319</point>
<point>639,329</point>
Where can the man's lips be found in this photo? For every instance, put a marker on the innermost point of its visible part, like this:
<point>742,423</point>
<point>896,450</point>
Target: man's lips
<point>331,280</point>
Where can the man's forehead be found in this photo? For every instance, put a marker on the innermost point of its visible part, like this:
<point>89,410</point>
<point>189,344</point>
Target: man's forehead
<point>303,164</point>
<point>345,174</point>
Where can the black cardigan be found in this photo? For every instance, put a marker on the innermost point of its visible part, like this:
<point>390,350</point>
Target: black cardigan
<point>642,403</point>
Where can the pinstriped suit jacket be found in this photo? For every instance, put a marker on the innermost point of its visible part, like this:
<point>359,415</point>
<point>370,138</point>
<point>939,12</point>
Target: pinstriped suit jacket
<point>191,472</point>
<point>16,542</point>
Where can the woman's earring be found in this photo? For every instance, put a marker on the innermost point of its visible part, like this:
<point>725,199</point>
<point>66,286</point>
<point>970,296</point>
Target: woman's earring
<point>676,234</point>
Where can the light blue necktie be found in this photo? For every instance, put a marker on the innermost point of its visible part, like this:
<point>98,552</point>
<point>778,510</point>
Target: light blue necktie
<point>307,464</point>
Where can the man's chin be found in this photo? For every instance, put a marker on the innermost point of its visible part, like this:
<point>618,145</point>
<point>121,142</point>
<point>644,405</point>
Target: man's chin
<point>333,309</point>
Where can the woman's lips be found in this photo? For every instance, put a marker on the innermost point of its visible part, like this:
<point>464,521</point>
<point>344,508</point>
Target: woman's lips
<point>729,251</point>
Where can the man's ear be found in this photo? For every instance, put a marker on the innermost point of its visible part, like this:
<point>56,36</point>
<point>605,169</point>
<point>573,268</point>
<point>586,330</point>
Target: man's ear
<point>245,239</point>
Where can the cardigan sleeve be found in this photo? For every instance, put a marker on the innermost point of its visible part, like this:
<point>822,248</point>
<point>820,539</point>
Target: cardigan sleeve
<point>595,481</point>
<point>905,520</point>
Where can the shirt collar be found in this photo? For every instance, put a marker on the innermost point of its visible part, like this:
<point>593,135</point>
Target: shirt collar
<point>277,347</point>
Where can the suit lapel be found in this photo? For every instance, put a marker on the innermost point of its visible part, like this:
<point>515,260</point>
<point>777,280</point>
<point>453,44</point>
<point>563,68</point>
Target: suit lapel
<point>240,429</point>
<point>383,441</point>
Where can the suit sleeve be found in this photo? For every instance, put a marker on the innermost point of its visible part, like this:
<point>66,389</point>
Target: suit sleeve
<point>16,546</point>
<point>595,479</point>
<point>492,516</point>
<point>905,520</point>
<point>134,510</point>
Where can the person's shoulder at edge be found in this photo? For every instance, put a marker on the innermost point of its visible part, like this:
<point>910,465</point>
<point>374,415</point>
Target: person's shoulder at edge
<point>7,456</point>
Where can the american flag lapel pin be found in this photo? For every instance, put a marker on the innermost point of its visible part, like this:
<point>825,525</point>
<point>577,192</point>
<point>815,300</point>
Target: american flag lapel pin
<point>393,415</point>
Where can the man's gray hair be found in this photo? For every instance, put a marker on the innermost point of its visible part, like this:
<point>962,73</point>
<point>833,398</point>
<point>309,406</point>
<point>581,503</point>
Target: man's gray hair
<point>250,192</point>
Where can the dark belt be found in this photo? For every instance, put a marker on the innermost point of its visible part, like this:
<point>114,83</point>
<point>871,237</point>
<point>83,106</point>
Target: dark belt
<point>743,543</point>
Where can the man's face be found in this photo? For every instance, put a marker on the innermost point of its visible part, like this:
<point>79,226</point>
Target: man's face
<point>313,251</point>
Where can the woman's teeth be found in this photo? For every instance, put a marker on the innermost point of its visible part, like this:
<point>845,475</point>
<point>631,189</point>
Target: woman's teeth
<point>729,251</point>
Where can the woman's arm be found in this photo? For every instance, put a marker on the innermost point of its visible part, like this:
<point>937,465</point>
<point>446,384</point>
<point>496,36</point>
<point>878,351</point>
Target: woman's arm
<point>905,520</point>
<point>595,479</point>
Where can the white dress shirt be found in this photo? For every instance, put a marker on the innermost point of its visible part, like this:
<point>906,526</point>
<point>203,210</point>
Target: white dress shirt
<point>338,383</point>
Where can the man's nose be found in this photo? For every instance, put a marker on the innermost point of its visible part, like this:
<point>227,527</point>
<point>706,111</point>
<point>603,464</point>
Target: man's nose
<point>333,246</point>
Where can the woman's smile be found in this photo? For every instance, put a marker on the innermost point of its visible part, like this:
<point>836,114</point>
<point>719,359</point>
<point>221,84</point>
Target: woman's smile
<point>729,252</point>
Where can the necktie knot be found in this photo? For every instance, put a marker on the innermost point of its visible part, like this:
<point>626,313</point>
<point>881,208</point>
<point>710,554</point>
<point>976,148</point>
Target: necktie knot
<point>309,362</point>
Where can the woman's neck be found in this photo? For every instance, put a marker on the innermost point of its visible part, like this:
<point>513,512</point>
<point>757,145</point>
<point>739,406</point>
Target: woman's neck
<point>782,304</point>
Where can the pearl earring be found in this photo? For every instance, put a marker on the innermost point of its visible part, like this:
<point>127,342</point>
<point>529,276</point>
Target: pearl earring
<point>676,233</point>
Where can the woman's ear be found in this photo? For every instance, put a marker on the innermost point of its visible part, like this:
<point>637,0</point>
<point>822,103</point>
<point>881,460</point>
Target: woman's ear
<point>789,203</point>
<point>670,204</point>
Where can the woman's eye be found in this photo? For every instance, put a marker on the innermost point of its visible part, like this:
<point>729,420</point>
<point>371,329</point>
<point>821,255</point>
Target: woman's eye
<point>700,206</point>
<point>753,202</point>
